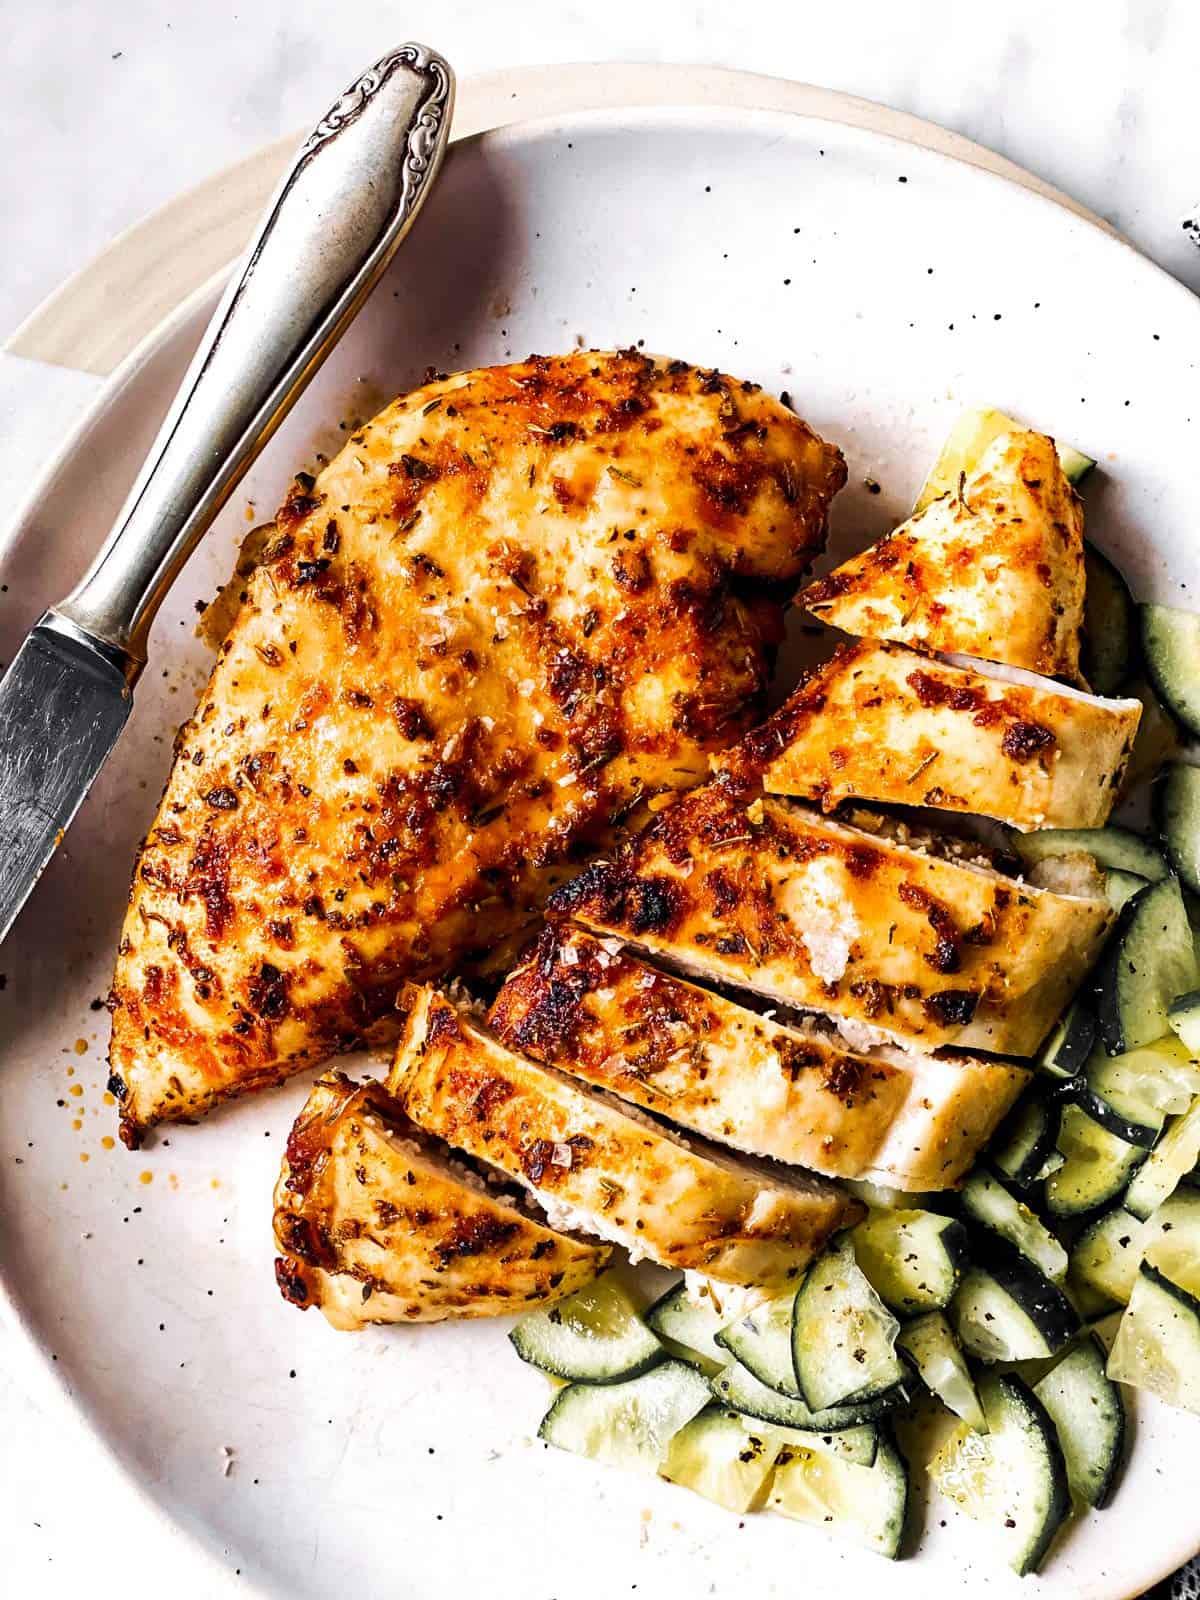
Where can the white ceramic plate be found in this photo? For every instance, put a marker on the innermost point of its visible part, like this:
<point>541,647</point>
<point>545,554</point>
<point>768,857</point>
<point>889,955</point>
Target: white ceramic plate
<point>884,287</point>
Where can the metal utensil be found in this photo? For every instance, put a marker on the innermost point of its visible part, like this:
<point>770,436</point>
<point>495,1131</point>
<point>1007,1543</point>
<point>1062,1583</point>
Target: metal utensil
<point>333,226</point>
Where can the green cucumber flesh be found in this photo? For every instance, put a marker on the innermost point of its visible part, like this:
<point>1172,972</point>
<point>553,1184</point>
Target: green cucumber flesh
<point>865,1504</point>
<point>930,1344</point>
<point>1088,1414</point>
<point>627,1424</point>
<point>593,1336</point>
<point>843,1336</point>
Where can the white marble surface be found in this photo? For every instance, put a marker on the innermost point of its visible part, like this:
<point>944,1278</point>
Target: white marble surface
<point>112,108</point>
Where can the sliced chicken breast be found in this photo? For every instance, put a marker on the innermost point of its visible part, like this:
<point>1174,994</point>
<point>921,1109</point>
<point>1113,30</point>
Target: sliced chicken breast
<point>599,1165</point>
<point>774,898</point>
<point>993,570</point>
<point>795,1091</point>
<point>377,1221</point>
<point>518,603</point>
<point>881,722</point>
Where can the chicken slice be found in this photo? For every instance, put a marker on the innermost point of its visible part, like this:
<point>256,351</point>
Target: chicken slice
<point>880,722</point>
<point>793,1091</point>
<point>604,1167</point>
<point>378,1222</point>
<point>779,900</point>
<point>993,570</point>
<point>519,602</point>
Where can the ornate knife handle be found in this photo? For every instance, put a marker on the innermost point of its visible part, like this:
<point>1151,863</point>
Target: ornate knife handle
<point>333,226</point>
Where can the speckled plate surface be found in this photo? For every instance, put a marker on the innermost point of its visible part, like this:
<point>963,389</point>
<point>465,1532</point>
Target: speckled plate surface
<point>884,287</point>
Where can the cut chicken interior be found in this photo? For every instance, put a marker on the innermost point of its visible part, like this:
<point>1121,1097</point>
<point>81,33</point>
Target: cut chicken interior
<point>882,722</point>
<point>603,1166</point>
<point>378,1221</point>
<point>993,569</point>
<point>518,603</point>
<point>792,1090</point>
<point>769,896</point>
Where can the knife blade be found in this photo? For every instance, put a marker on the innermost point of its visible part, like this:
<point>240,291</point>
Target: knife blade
<point>331,229</point>
<point>62,708</point>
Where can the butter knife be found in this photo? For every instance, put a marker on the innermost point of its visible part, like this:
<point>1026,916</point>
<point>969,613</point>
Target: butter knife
<point>330,231</point>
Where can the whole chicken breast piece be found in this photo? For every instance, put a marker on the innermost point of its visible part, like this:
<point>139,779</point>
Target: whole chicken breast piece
<point>378,1222</point>
<point>775,898</point>
<point>519,602</point>
<point>606,1168</point>
<point>994,569</point>
<point>791,1089</point>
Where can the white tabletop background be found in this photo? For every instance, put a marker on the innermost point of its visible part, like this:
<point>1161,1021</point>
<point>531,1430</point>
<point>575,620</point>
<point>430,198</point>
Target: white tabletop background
<point>111,107</point>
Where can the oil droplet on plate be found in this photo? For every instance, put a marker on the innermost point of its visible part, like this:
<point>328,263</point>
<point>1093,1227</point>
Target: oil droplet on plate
<point>83,1156</point>
<point>109,1100</point>
<point>108,1141</point>
<point>216,1183</point>
<point>75,1089</point>
<point>77,1123</point>
<point>81,1046</point>
<point>70,1072</point>
<point>145,1177</point>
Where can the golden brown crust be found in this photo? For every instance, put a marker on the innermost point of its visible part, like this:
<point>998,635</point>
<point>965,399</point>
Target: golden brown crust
<point>374,1224</point>
<point>792,1092</point>
<point>995,570</point>
<point>684,1205</point>
<point>777,899</point>
<point>518,602</point>
<point>881,722</point>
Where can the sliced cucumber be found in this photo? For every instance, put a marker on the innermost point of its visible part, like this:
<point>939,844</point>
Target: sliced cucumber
<point>1014,1477</point>
<point>1165,1168</point>
<point>762,1341</point>
<point>1108,648</point>
<point>1179,819</point>
<point>736,1387</point>
<point>1097,1166</point>
<point>593,1336</point>
<point>1159,1077</point>
<point>1184,1016</point>
<point>859,1445</point>
<point>941,1366</point>
<point>912,1259</point>
<point>627,1424</point>
<point>1024,1140</point>
<point>1114,1097</point>
<point>1150,961</point>
<point>1172,1235</point>
<point>1006,1310</point>
<point>1088,1414</point>
<point>1171,646</point>
<point>1066,1051</point>
<point>865,1504</point>
<point>1117,848</point>
<point>722,1456</point>
<point>688,1325</point>
<point>986,1201</point>
<point>1158,1341</point>
<point>964,447</point>
<point>1120,887</point>
<point>843,1336</point>
<point>1104,1262</point>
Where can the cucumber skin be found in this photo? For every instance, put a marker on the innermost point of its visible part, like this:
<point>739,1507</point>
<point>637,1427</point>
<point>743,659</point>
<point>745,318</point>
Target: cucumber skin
<point>1179,777</point>
<point>1186,716</point>
<point>1104,980</point>
<point>1018,1392</point>
<point>1026,1284</point>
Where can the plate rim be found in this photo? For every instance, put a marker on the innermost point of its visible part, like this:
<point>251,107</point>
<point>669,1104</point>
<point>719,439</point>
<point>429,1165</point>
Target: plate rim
<point>97,316</point>
<point>47,1381</point>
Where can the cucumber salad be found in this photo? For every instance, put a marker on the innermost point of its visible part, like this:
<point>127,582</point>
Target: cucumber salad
<point>983,1337</point>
